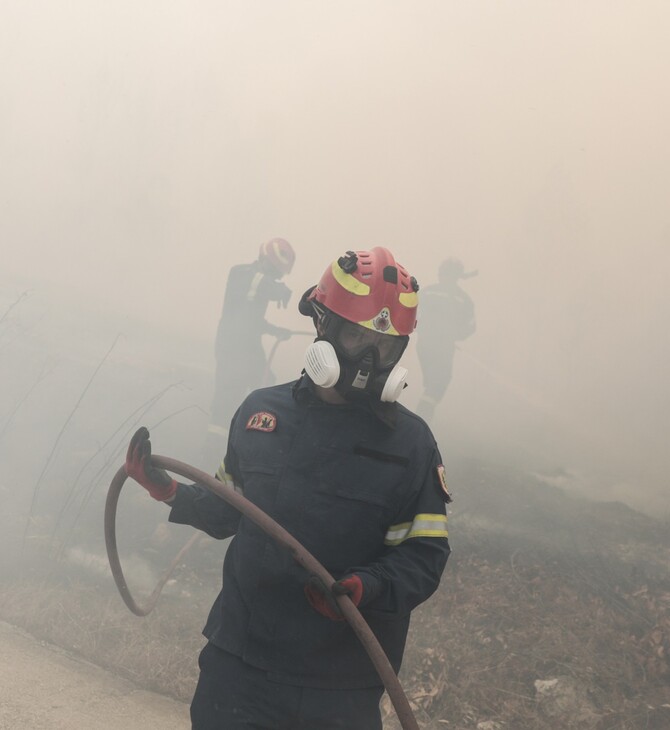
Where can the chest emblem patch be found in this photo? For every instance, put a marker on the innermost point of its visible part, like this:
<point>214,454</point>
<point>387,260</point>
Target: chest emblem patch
<point>442,481</point>
<point>262,421</point>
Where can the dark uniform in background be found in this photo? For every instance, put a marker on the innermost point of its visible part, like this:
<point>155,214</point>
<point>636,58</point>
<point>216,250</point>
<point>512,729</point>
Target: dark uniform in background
<point>447,317</point>
<point>357,479</point>
<point>241,364</point>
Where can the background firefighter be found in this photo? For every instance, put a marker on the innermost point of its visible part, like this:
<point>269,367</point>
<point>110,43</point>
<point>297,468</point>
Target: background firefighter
<point>447,317</point>
<point>241,363</point>
<point>357,479</point>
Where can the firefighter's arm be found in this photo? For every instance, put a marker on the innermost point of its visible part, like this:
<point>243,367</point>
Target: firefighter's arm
<point>195,505</point>
<point>278,292</point>
<point>416,549</point>
<point>271,290</point>
<point>469,325</point>
<point>281,333</point>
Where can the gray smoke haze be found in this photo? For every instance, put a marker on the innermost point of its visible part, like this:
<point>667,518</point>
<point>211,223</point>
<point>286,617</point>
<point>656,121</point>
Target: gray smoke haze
<point>147,147</point>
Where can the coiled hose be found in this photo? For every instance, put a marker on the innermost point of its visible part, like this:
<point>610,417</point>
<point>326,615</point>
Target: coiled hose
<point>281,536</point>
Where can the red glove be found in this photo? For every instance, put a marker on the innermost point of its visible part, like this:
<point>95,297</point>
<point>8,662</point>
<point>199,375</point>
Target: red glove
<point>323,600</point>
<point>157,482</point>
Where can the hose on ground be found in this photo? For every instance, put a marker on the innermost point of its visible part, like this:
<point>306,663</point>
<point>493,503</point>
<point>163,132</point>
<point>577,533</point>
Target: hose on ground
<point>302,556</point>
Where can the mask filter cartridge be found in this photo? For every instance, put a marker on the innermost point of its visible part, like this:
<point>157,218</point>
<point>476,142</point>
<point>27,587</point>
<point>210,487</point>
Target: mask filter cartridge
<point>321,364</point>
<point>394,384</point>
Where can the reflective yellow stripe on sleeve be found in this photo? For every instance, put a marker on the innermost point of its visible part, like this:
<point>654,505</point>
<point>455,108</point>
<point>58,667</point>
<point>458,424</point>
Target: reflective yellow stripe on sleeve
<point>421,526</point>
<point>222,475</point>
<point>253,287</point>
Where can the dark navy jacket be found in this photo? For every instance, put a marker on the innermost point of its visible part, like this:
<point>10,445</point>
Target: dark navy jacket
<point>359,494</point>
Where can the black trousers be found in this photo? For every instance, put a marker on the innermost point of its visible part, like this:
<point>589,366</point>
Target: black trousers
<point>232,695</point>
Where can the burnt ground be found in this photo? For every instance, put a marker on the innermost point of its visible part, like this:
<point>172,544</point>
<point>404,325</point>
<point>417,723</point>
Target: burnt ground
<point>554,612</point>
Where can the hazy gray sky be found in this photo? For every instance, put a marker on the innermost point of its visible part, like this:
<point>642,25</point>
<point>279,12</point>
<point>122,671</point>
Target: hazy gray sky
<point>146,147</point>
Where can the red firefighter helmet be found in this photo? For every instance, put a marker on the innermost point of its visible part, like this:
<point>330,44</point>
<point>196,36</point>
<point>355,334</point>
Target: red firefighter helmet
<point>371,289</point>
<point>279,253</point>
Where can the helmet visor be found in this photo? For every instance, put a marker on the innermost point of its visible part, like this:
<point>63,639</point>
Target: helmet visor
<point>354,339</point>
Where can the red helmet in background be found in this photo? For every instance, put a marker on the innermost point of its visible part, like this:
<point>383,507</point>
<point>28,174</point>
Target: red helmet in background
<point>279,253</point>
<point>371,289</point>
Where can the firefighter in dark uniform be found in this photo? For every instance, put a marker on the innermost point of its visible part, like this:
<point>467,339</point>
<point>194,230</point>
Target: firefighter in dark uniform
<point>241,364</point>
<point>447,317</point>
<point>357,479</point>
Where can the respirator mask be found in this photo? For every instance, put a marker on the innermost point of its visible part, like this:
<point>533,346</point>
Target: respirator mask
<point>355,360</point>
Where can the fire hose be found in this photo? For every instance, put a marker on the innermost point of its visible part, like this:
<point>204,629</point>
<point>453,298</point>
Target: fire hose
<point>302,556</point>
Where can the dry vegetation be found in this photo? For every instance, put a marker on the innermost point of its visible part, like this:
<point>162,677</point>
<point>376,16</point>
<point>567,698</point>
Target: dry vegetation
<point>554,613</point>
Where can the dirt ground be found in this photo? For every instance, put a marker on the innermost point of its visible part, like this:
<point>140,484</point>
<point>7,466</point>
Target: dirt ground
<point>42,686</point>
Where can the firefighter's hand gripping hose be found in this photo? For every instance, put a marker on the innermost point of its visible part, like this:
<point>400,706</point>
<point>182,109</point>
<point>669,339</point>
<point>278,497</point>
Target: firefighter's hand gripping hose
<point>286,540</point>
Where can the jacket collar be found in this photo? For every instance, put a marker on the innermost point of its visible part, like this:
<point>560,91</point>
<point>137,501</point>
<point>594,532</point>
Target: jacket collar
<point>387,413</point>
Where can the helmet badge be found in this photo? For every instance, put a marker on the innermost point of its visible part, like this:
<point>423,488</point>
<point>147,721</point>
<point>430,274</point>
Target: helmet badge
<point>382,322</point>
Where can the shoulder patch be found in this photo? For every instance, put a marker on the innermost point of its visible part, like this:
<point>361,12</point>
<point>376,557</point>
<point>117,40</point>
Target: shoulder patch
<point>442,482</point>
<point>262,421</point>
